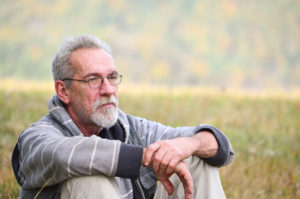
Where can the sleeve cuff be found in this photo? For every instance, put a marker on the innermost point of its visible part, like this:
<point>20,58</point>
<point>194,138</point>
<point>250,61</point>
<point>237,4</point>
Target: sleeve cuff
<point>129,163</point>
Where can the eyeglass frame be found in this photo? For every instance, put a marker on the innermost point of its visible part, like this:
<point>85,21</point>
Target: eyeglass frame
<point>98,77</point>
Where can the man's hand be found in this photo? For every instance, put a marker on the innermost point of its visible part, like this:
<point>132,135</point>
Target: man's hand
<point>185,177</point>
<point>164,155</point>
<point>166,158</point>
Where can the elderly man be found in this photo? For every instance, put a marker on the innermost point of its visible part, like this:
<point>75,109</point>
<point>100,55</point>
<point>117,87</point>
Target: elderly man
<point>88,148</point>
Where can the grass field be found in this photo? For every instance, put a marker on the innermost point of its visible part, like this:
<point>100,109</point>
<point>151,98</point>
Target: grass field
<point>264,130</point>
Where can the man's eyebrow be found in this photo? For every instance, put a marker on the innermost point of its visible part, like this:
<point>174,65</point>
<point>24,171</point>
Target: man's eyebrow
<point>90,75</point>
<point>97,74</point>
<point>114,73</point>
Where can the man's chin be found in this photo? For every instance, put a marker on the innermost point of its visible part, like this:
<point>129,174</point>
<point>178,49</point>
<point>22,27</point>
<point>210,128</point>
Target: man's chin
<point>110,125</point>
<point>105,120</point>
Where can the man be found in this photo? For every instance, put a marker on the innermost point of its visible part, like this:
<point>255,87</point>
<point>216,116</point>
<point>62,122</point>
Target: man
<point>87,148</point>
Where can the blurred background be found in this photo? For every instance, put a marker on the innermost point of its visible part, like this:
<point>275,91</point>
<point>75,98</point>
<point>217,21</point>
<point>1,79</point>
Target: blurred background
<point>249,45</point>
<point>234,64</point>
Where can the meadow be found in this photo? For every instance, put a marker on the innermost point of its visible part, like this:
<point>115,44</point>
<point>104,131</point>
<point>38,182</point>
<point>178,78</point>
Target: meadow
<point>264,131</point>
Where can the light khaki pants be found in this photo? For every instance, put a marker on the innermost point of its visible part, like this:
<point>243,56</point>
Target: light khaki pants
<point>207,185</point>
<point>91,187</point>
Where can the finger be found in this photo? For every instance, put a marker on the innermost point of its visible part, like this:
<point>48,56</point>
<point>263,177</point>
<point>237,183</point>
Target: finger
<point>168,186</point>
<point>188,189</point>
<point>165,164</point>
<point>186,179</point>
<point>150,150</point>
<point>158,157</point>
<point>171,166</point>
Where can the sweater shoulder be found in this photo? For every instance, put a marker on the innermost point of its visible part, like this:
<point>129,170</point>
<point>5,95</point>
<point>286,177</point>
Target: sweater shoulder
<point>45,124</point>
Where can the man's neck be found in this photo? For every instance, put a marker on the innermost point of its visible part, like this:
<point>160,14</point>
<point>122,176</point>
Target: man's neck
<point>87,128</point>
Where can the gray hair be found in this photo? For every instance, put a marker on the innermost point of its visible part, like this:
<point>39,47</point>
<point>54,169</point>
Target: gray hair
<point>61,66</point>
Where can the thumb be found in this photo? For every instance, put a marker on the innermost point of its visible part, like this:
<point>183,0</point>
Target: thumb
<point>148,153</point>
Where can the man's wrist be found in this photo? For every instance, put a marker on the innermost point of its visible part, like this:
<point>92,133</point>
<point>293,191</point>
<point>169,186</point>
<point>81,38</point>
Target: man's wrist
<point>206,144</point>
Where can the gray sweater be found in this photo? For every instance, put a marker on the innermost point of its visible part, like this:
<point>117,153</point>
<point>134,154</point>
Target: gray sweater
<point>53,150</point>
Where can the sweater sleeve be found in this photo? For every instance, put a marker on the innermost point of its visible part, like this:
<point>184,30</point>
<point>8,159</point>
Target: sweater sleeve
<point>151,132</point>
<point>130,160</point>
<point>47,157</point>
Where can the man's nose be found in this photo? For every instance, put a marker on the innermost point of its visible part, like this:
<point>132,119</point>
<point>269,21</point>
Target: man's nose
<point>106,88</point>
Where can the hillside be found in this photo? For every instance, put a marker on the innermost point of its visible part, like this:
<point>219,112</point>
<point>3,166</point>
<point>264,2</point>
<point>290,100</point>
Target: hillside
<point>245,44</point>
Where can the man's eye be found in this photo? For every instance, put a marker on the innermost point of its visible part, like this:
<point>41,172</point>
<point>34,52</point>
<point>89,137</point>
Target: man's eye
<point>112,77</point>
<point>93,80</point>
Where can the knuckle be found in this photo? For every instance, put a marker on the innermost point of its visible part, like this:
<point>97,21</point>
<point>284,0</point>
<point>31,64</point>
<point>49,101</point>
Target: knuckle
<point>151,147</point>
<point>164,163</point>
<point>172,166</point>
<point>156,158</point>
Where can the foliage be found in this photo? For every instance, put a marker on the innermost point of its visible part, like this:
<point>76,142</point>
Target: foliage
<point>251,44</point>
<point>264,131</point>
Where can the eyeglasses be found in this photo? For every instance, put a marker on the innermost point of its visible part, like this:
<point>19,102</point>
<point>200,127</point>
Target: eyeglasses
<point>96,82</point>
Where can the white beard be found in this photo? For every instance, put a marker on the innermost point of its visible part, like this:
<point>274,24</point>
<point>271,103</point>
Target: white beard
<point>105,117</point>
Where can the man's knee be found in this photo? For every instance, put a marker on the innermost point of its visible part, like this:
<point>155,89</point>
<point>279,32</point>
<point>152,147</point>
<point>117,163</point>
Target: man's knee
<point>206,179</point>
<point>198,168</point>
<point>90,187</point>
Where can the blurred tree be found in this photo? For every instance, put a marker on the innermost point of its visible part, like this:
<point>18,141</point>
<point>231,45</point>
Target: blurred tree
<point>251,44</point>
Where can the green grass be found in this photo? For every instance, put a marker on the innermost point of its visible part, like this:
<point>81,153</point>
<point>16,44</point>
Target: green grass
<point>265,133</point>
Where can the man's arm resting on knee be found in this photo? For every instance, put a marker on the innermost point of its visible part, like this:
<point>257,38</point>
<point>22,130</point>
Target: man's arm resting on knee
<point>164,155</point>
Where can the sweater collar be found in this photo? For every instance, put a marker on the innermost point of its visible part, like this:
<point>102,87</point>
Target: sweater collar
<point>58,111</point>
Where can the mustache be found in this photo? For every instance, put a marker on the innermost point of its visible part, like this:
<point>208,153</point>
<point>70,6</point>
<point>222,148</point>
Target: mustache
<point>105,100</point>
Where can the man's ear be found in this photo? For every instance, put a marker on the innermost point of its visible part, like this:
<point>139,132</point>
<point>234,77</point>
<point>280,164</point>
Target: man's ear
<point>61,91</point>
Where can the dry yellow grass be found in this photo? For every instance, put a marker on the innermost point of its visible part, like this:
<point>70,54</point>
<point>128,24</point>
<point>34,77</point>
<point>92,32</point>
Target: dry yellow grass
<point>263,128</point>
